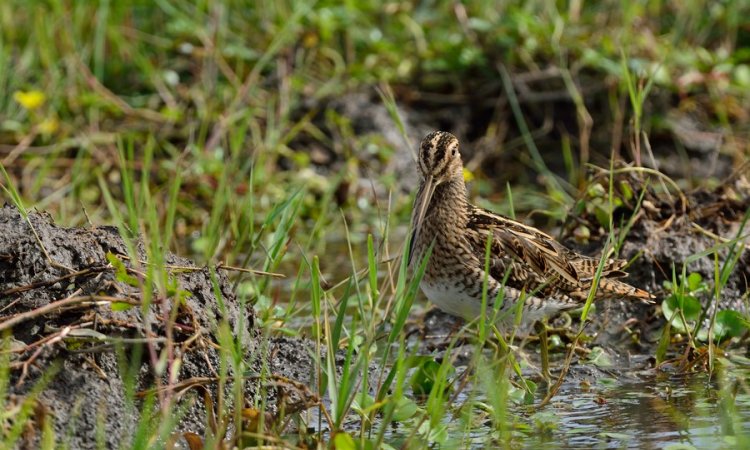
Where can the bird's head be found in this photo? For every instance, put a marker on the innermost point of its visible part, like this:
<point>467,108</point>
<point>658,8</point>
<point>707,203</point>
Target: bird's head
<point>439,160</point>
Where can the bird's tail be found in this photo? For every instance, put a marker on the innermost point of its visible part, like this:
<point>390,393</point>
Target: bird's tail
<point>615,288</point>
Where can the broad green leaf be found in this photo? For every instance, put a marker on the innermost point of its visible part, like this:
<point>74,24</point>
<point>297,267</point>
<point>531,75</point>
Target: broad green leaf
<point>423,379</point>
<point>531,388</point>
<point>405,409</point>
<point>437,435</point>
<point>689,305</point>
<point>342,441</point>
<point>599,357</point>
<point>729,324</point>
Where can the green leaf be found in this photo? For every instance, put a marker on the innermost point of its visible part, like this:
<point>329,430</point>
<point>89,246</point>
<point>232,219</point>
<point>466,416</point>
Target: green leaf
<point>689,305</point>
<point>437,435</point>
<point>679,446</point>
<point>627,191</point>
<point>694,281</point>
<point>363,403</point>
<point>531,387</point>
<point>602,216</point>
<point>546,420</point>
<point>516,395</point>
<point>423,379</point>
<point>405,409</point>
<point>121,272</point>
<point>120,306</point>
<point>599,357</point>
<point>343,441</point>
<point>411,362</point>
<point>729,324</point>
<point>663,346</point>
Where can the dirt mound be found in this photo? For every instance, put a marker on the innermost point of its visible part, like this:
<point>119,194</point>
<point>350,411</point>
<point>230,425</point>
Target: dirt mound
<point>80,336</point>
<point>669,229</point>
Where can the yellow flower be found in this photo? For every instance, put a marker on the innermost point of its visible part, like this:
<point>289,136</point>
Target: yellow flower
<point>49,125</point>
<point>30,100</point>
<point>468,176</point>
<point>310,40</point>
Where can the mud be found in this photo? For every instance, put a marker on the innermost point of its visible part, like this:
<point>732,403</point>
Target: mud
<point>78,353</point>
<point>673,229</point>
<point>685,146</point>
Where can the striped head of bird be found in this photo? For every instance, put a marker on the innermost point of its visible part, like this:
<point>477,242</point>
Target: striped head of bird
<point>439,160</point>
<point>439,163</point>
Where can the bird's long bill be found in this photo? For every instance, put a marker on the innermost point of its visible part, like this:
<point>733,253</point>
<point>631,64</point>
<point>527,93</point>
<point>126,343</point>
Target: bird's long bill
<point>421,202</point>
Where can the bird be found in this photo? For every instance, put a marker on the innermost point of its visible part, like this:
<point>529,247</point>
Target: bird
<point>524,264</point>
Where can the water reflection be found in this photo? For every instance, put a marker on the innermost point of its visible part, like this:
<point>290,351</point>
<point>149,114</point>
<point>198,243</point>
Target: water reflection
<point>649,414</point>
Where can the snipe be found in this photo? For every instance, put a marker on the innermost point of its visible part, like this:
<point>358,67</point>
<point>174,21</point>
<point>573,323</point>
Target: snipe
<point>533,262</point>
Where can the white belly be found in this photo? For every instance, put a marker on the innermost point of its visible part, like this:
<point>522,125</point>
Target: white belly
<point>456,302</point>
<point>453,301</point>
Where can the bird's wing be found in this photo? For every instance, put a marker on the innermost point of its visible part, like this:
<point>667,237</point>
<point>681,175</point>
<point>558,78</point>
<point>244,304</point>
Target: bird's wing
<point>529,247</point>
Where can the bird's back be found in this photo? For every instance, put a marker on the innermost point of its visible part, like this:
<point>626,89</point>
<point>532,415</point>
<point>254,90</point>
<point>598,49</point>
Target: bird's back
<point>530,259</point>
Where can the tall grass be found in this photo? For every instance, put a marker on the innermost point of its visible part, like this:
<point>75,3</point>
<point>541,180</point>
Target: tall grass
<point>192,125</point>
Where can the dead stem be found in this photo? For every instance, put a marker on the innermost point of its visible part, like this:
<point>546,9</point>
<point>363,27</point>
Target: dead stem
<point>38,284</point>
<point>566,366</point>
<point>220,266</point>
<point>16,319</point>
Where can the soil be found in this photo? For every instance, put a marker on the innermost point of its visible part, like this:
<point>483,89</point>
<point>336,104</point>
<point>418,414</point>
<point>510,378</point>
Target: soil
<point>68,342</point>
<point>670,229</point>
<point>71,349</point>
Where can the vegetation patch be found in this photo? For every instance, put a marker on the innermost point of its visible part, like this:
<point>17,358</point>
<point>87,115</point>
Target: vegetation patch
<point>273,144</point>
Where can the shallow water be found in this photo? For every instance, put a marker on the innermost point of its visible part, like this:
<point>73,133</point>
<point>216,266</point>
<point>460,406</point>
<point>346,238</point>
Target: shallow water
<point>650,414</point>
<point>681,412</point>
<point>614,409</point>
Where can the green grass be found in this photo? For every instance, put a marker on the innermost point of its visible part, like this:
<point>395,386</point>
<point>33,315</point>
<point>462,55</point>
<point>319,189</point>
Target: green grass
<point>198,126</point>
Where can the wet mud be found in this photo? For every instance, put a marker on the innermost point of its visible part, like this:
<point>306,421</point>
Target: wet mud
<point>672,230</point>
<point>80,336</point>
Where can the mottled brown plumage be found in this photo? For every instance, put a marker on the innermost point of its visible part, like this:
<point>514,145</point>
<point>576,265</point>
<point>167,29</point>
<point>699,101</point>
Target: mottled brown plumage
<point>458,232</point>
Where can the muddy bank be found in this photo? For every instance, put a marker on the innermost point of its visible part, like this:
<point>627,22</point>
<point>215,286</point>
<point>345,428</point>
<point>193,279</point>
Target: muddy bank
<point>78,327</point>
<point>669,228</point>
<point>669,231</point>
